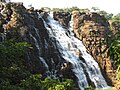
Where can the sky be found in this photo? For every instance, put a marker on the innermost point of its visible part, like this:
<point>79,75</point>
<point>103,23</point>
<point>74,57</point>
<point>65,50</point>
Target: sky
<point>111,6</point>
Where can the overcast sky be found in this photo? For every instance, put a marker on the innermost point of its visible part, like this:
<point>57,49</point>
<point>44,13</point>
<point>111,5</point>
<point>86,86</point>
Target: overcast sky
<point>111,6</point>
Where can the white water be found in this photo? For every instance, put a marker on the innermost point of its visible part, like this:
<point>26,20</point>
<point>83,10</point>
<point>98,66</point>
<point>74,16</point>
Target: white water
<point>70,47</point>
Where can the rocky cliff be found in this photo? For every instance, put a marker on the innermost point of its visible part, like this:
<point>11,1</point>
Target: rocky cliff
<point>94,30</point>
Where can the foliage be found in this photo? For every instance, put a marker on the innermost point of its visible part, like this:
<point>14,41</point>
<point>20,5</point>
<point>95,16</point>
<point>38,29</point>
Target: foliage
<point>66,9</point>
<point>34,82</point>
<point>114,51</point>
<point>54,84</point>
<point>14,75</point>
<point>12,63</point>
<point>102,12</point>
<point>57,10</point>
<point>89,88</point>
<point>85,10</point>
<point>74,8</point>
<point>31,83</point>
<point>116,21</point>
<point>118,73</point>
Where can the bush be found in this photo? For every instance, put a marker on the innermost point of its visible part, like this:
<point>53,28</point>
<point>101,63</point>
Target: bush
<point>12,63</point>
<point>34,82</point>
<point>14,74</point>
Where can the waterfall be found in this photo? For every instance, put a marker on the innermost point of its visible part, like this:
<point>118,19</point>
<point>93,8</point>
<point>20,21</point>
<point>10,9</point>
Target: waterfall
<point>36,39</point>
<point>70,49</point>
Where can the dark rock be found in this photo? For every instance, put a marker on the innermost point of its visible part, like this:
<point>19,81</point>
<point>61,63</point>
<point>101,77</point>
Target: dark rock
<point>62,17</point>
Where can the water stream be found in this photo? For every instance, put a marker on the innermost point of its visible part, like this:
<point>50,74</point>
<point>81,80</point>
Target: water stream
<point>71,49</point>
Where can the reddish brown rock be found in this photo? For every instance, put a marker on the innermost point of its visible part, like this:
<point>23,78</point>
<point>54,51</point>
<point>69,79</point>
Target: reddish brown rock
<point>94,30</point>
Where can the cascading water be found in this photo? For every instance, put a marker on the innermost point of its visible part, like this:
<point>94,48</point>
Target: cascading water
<point>36,39</point>
<point>70,49</point>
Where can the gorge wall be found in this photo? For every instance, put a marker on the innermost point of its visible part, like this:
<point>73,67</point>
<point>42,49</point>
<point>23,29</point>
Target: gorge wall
<point>94,30</point>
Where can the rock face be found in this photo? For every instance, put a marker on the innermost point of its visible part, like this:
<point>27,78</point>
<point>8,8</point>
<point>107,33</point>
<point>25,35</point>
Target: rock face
<point>62,17</point>
<point>94,31</point>
<point>27,26</point>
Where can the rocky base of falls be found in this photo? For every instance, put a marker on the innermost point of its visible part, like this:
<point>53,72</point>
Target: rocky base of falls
<point>26,25</point>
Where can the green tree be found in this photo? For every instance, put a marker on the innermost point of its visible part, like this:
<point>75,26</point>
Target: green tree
<point>12,63</point>
<point>34,82</point>
<point>114,51</point>
<point>116,21</point>
<point>57,9</point>
<point>107,15</point>
<point>85,10</point>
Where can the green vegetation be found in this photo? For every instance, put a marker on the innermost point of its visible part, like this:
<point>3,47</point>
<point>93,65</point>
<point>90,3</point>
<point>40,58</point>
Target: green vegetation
<point>114,50</point>
<point>102,12</point>
<point>12,64</point>
<point>57,10</point>
<point>116,21</point>
<point>74,8</point>
<point>34,82</point>
<point>47,9</point>
<point>14,74</point>
<point>114,53</point>
<point>71,9</point>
